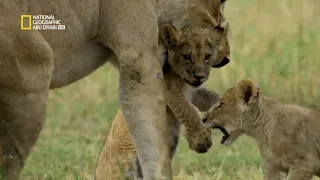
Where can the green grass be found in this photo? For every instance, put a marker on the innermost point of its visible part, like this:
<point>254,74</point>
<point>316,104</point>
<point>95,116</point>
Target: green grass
<point>276,43</point>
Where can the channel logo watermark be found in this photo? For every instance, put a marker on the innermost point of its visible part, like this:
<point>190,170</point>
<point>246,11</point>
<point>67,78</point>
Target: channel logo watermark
<point>41,22</point>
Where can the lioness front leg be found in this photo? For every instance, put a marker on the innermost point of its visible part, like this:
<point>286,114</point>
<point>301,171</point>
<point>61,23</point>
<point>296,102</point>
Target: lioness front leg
<point>22,116</point>
<point>24,78</point>
<point>198,136</point>
<point>204,99</point>
<point>130,29</point>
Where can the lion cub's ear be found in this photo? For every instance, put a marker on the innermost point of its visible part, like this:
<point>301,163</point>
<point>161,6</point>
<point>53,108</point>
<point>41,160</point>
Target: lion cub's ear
<point>222,63</point>
<point>247,91</point>
<point>170,36</point>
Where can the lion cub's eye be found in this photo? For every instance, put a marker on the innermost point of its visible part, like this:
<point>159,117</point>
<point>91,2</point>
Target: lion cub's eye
<point>207,57</point>
<point>187,57</point>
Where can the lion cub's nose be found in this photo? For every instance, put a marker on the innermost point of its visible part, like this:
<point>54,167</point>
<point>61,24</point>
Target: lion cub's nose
<point>198,76</point>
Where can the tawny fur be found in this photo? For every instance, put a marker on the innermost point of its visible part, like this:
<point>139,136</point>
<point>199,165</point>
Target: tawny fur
<point>118,153</point>
<point>182,98</point>
<point>97,31</point>
<point>288,134</point>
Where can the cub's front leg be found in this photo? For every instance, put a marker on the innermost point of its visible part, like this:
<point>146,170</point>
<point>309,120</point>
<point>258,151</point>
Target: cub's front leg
<point>198,136</point>
<point>270,170</point>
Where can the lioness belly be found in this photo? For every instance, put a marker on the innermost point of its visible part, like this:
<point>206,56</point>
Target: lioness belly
<point>78,64</point>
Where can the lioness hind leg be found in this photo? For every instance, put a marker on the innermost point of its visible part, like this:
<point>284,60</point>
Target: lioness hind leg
<point>133,37</point>
<point>134,169</point>
<point>142,101</point>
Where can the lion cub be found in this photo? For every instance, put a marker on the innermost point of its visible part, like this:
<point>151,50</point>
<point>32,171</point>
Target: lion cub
<point>288,135</point>
<point>192,52</point>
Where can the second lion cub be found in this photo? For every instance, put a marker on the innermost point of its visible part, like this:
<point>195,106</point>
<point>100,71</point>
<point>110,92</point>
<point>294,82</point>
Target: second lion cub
<point>288,135</point>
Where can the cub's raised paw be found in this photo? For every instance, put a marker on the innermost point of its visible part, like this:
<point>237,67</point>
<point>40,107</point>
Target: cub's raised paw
<point>200,139</point>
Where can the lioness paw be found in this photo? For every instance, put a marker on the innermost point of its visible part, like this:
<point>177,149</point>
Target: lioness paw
<point>200,140</point>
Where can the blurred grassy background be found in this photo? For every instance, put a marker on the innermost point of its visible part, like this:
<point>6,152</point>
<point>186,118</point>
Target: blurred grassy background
<point>274,42</point>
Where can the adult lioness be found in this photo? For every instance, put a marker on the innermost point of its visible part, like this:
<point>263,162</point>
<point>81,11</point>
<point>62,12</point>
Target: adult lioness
<point>288,135</point>
<point>191,50</point>
<point>32,62</point>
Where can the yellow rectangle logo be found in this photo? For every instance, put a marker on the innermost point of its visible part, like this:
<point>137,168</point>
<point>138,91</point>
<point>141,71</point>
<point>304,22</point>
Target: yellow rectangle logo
<point>25,22</point>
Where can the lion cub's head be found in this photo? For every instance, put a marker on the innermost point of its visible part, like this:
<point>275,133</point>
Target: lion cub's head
<point>194,50</point>
<point>236,107</point>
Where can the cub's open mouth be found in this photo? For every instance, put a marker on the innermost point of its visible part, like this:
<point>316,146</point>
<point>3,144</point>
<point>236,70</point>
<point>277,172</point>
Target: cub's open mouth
<point>225,133</point>
<point>193,83</point>
<point>196,83</point>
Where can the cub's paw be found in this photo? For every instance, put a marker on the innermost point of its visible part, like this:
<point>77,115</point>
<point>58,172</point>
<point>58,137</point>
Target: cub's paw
<point>200,139</point>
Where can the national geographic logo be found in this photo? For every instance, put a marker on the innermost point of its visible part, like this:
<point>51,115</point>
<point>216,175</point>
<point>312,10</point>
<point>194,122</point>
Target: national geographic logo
<point>40,22</point>
<point>26,22</point>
